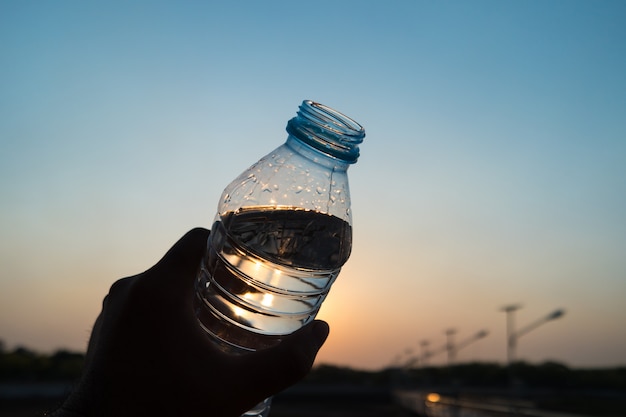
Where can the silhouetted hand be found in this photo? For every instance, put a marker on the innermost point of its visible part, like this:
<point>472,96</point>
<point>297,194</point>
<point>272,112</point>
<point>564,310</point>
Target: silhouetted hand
<point>148,356</point>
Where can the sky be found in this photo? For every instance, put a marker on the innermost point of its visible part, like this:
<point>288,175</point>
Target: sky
<point>493,171</point>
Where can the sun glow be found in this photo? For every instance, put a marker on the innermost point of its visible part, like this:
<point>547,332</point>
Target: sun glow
<point>268,300</point>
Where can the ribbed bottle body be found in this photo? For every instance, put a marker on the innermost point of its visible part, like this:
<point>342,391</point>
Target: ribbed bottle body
<point>282,232</point>
<point>267,272</point>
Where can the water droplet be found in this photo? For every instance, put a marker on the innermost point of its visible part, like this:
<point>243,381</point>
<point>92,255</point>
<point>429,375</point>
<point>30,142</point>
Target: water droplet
<point>299,189</point>
<point>319,190</point>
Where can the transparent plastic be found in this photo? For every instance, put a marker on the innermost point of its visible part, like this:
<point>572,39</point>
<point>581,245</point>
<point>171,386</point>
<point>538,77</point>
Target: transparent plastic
<point>282,232</point>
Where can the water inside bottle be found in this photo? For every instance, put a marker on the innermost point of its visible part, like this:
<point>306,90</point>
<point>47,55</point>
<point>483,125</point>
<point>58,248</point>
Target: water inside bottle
<point>267,272</point>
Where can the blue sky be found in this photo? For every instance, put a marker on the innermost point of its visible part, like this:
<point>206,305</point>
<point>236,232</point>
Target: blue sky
<point>493,171</point>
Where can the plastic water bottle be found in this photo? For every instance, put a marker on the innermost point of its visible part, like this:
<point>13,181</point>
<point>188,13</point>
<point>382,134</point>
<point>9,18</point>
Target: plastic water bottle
<point>282,232</point>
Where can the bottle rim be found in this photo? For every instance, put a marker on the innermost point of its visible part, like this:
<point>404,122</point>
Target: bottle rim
<point>327,130</point>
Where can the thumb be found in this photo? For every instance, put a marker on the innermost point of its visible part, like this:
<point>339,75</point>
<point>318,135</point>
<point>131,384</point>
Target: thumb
<point>176,271</point>
<point>288,362</point>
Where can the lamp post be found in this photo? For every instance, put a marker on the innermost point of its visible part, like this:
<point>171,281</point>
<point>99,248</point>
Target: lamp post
<point>512,335</point>
<point>511,340</point>
<point>453,348</point>
<point>450,348</point>
<point>425,353</point>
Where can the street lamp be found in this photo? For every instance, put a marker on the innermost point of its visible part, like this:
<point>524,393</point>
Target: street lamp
<point>511,340</point>
<point>453,348</point>
<point>513,335</point>
<point>450,345</point>
<point>425,353</point>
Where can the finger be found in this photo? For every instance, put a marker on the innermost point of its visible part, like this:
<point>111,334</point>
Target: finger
<point>177,270</point>
<point>288,362</point>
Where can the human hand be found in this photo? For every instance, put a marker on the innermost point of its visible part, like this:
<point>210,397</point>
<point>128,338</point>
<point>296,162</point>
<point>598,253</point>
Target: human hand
<point>148,356</point>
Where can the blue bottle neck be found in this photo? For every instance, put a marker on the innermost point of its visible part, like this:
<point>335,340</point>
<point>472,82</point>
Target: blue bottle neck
<point>326,131</point>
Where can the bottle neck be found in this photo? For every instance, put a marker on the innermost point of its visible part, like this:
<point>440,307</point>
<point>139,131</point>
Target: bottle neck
<point>326,131</point>
<point>314,155</point>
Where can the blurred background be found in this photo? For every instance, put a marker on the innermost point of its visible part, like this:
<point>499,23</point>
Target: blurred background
<point>493,172</point>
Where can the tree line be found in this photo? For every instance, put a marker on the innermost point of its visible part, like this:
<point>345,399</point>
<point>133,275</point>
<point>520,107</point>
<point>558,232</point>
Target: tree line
<point>480,375</point>
<point>23,364</point>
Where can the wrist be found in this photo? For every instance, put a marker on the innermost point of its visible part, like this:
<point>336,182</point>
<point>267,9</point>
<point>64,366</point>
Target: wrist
<point>85,400</point>
<point>65,412</point>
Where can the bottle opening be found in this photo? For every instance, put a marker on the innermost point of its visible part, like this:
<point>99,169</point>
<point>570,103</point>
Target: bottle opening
<point>327,130</point>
